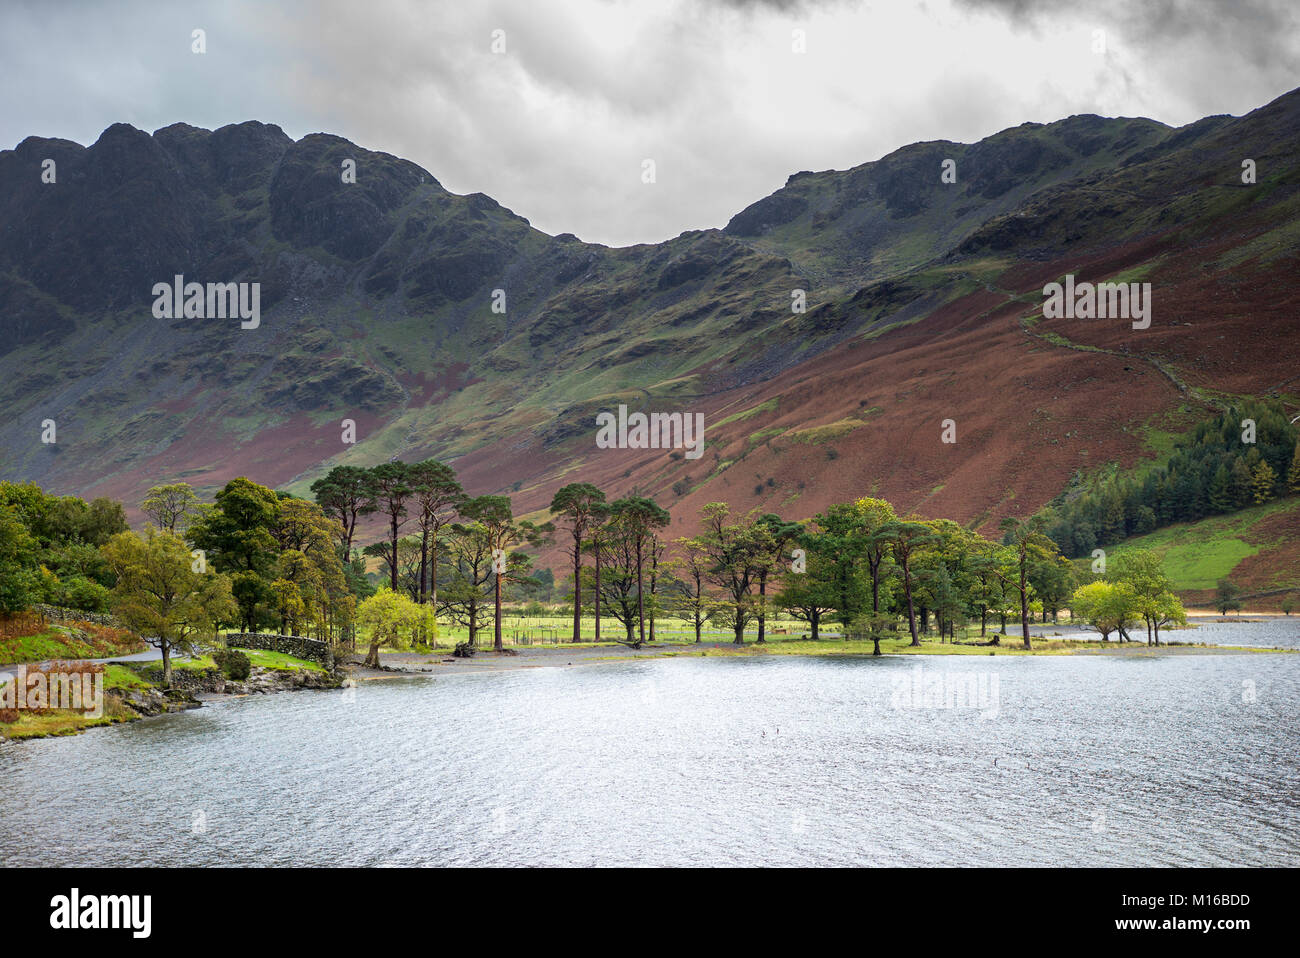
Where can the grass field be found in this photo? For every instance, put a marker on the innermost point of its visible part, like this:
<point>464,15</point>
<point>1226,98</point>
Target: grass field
<point>789,635</point>
<point>1253,547</point>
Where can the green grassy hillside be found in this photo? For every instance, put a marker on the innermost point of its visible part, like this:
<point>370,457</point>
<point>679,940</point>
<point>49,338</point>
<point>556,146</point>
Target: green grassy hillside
<point>1256,548</point>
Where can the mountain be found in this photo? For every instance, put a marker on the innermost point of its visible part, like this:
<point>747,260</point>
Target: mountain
<point>924,303</point>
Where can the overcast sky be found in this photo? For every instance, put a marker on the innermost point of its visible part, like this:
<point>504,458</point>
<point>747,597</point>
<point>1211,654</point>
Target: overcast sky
<point>557,126</point>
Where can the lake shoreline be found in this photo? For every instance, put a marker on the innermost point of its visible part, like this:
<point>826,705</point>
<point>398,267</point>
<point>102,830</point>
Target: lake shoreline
<point>562,656</point>
<point>130,705</point>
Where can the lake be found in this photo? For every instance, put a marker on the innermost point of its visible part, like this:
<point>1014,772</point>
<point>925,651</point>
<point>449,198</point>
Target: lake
<point>1183,759</point>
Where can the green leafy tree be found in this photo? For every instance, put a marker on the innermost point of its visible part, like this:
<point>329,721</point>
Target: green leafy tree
<point>1243,483</point>
<point>1166,609</point>
<point>690,567</point>
<point>235,535</point>
<point>18,562</point>
<point>346,494</point>
<point>907,540</point>
<point>391,618</point>
<point>985,591</point>
<point>873,517</point>
<point>1054,581</point>
<point>1027,546</point>
<point>638,520</point>
<point>578,506</point>
<point>160,594</point>
<point>600,536</point>
<point>736,551</point>
<point>436,496</point>
<point>952,568</point>
<point>504,532</point>
<point>777,537</point>
<point>169,505</point>
<point>1223,497</point>
<point>811,595</point>
<point>615,577</point>
<point>1227,597</point>
<point>841,547</point>
<point>1106,606</point>
<point>1144,572</point>
<point>392,490</point>
<point>467,596</point>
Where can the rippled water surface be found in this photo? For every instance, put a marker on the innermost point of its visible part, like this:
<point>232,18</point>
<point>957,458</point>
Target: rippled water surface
<point>1089,759</point>
<point>1279,633</point>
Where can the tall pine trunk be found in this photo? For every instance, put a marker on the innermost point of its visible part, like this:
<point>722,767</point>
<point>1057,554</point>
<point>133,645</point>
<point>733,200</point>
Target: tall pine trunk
<point>911,610</point>
<point>393,540</point>
<point>640,597</point>
<point>577,587</point>
<point>496,641</point>
<point>1024,602</point>
<point>654,578</point>
<point>424,563</point>
<point>597,595</point>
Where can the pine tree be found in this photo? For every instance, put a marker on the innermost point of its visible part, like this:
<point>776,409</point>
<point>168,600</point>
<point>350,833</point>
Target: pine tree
<point>1112,516</point>
<point>1242,484</point>
<point>1263,482</point>
<point>1221,494</point>
<point>1293,474</point>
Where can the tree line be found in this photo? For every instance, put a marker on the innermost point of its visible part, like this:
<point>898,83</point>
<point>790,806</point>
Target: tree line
<point>1244,457</point>
<point>262,559</point>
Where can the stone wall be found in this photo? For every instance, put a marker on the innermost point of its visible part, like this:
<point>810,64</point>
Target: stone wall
<point>190,680</point>
<point>57,613</point>
<point>313,650</point>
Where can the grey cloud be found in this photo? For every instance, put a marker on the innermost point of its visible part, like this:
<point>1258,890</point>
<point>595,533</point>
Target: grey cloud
<point>557,129</point>
<point>1256,31</point>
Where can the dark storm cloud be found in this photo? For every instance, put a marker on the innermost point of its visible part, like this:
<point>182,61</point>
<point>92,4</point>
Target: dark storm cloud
<point>558,127</point>
<point>1259,34</point>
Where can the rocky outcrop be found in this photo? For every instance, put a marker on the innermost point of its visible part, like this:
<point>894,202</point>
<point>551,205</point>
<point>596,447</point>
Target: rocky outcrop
<point>147,702</point>
<point>262,681</point>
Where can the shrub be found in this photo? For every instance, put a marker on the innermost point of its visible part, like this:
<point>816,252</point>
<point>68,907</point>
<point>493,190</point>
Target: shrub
<point>464,650</point>
<point>80,593</point>
<point>234,664</point>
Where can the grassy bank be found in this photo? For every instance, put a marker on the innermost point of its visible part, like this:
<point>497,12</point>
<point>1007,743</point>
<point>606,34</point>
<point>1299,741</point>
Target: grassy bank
<point>720,645</point>
<point>74,641</point>
<point>127,683</point>
<point>531,631</point>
